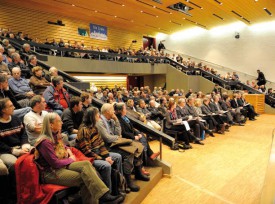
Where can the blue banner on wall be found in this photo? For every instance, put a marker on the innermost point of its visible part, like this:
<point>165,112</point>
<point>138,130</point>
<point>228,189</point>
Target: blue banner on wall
<point>98,32</point>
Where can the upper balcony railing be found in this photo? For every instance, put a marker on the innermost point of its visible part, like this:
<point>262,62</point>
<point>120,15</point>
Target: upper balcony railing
<point>228,84</point>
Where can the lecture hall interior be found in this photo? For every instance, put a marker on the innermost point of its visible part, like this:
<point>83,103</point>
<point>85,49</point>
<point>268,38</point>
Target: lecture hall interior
<point>164,101</point>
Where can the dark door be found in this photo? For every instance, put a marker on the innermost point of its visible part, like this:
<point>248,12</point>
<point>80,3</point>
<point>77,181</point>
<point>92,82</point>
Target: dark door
<point>134,81</point>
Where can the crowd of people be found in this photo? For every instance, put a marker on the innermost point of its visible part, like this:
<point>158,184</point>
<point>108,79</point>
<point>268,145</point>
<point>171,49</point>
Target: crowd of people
<point>37,113</point>
<point>148,51</point>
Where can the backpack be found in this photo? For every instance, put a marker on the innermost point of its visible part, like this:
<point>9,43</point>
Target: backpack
<point>119,185</point>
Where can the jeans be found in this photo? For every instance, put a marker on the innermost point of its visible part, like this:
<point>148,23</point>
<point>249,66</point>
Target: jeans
<point>104,168</point>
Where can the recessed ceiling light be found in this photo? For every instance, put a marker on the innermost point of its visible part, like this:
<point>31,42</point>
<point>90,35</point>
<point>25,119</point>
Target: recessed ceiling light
<point>73,5</point>
<point>141,11</point>
<point>122,5</point>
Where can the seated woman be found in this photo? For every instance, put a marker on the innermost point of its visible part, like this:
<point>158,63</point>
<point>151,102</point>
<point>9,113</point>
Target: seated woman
<point>86,99</point>
<point>13,140</point>
<point>38,83</point>
<point>92,145</point>
<point>13,144</point>
<point>171,119</point>
<point>128,131</point>
<point>59,165</point>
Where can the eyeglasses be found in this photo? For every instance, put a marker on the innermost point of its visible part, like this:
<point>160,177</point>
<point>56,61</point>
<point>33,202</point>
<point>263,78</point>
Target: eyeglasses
<point>10,106</point>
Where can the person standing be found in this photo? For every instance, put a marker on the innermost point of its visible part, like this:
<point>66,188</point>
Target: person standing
<point>261,78</point>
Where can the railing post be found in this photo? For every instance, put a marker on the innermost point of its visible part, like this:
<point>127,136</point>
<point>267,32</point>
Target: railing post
<point>160,147</point>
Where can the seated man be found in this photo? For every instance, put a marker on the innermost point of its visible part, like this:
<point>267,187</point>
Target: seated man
<point>37,81</point>
<point>57,98</point>
<point>32,62</point>
<point>235,112</point>
<point>26,49</point>
<point>4,67</point>
<point>5,58</point>
<point>109,129</point>
<point>163,106</point>
<point>53,72</point>
<point>156,114</point>
<point>34,119</point>
<point>143,110</point>
<point>17,62</point>
<point>72,117</point>
<point>216,108</point>
<point>20,86</point>
<point>131,110</point>
<point>6,93</point>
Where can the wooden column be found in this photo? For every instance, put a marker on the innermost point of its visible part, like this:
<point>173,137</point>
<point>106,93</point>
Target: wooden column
<point>257,100</point>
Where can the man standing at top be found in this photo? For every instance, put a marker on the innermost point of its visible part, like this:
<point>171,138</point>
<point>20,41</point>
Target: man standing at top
<point>261,78</point>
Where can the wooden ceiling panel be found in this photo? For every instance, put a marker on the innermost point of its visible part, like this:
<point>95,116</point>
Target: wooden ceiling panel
<point>149,17</point>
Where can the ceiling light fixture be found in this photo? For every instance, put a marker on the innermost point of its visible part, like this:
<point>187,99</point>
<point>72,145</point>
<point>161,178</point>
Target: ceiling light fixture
<point>218,2</point>
<point>267,11</point>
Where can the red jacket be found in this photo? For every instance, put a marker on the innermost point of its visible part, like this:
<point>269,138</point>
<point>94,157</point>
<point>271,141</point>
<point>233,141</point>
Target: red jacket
<point>29,189</point>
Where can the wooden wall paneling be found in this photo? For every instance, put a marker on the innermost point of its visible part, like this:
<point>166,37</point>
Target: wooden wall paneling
<point>35,23</point>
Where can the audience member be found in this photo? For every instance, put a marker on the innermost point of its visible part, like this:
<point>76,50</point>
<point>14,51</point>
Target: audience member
<point>128,131</point>
<point>56,96</point>
<point>33,120</point>
<point>17,62</point>
<point>60,166</point>
<point>13,140</point>
<point>171,119</point>
<point>110,130</point>
<point>86,99</point>
<point>92,145</point>
<point>20,86</point>
<point>32,62</point>
<point>4,67</point>
<point>72,117</point>
<point>37,81</point>
<point>53,72</point>
<point>143,110</point>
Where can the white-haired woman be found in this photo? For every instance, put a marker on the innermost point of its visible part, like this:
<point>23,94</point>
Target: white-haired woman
<point>61,167</point>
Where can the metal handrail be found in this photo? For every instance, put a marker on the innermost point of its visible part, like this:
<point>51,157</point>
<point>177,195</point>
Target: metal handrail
<point>217,66</point>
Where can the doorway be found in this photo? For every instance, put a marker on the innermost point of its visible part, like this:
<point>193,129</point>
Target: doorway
<point>149,42</point>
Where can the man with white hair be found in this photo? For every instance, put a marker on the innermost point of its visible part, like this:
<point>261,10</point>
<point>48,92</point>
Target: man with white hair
<point>19,85</point>
<point>53,72</point>
<point>109,128</point>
